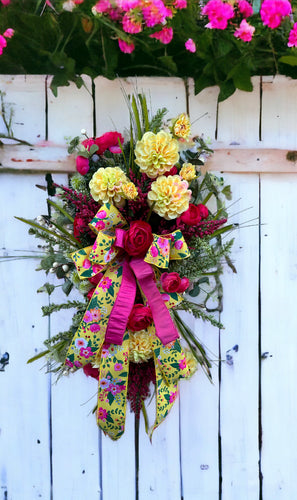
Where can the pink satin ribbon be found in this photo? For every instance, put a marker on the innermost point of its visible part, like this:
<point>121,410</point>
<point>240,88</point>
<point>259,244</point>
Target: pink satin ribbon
<point>136,267</point>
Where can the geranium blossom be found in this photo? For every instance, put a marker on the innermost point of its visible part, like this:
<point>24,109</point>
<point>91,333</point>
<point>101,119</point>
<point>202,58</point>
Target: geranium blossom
<point>273,12</point>
<point>245,8</point>
<point>292,41</point>
<point>164,36</point>
<point>125,47</point>
<point>245,31</point>
<point>218,13</point>
<point>190,45</point>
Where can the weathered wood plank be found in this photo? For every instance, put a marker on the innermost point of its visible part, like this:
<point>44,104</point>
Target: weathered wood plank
<point>239,118</point>
<point>278,336</point>
<point>24,95</point>
<point>70,112</point>
<point>237,160</point>
<point>239,347</point>
<point>279,118</point>
<point>24,415</point>
<point>199,422</point>
<point>203,111</point>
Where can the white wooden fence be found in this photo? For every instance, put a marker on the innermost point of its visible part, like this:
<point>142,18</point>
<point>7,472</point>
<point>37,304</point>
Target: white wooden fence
<point>233,440</point>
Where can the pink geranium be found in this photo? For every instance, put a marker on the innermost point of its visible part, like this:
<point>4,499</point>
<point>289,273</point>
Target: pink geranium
<point>273,12</point>
<point>190,45</point>
<point>218,13</point>
<point>125,47</point>
<point>5,2</point>
<point>292,41</point>
<point>164,36</point>
<point>3,42</point>
<point>180,4</point>
<point>131,24</point>
<point>102,6</point>
<point>8,33</point>
<point>245,8</point>
<point>245,31</point>
<point>154,12</point>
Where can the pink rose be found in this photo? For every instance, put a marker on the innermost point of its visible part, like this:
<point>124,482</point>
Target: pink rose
<point>95,328</point>
<point>138,238</point>
<point>140,318</point>
<point>109,140</point>
<point>203,210</point>
<point>82,165</point>
<point>173,283</point>
<point>192,216</point>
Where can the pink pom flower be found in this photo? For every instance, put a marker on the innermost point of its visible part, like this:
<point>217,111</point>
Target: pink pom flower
<point>218,13</point>
<point>154,12</point>
<point>102,6</point>
<point>292,40</point>
<point>245,8</point>
<point>190,45</point>
<point>5,2</point>
<point>245,31</point>
<point>273,12</point>
<point>164,36</point>
<point>3,42</point>
<point>8,33</point>
<point>125,47</point>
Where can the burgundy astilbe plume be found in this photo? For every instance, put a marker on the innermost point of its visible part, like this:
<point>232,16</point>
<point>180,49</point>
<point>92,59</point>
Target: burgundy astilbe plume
<point>140,377</point>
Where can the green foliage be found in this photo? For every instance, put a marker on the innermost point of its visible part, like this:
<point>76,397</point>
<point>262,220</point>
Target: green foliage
<point>70,44</point>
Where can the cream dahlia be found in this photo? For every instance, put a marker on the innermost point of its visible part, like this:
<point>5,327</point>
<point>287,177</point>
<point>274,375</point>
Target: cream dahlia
<point>170,196</point>
<point>156,154</point>
<point>106,184</point>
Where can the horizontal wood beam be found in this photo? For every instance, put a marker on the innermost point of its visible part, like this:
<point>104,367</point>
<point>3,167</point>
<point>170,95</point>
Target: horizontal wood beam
<point>20,158</point>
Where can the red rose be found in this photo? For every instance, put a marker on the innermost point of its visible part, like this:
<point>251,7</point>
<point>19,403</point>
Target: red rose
<point>90,371</point>
<point>87,143</point>
<point>173,283</point>
<point>82,165</point>
<point>172,171</point>
<point>203,211</point>
<point>140,318</point>
<point>110,141</point>
<point>138,238</point>
<point>95,279</point>
<point>192,216</point>
<point>90,293</point>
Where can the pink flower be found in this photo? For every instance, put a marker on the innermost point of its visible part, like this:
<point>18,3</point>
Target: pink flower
<point>90,371</point>
<point>218,13</point>
<point>85,352</point>
<point>78,364</point>
<point>101,414</point>
<point>178,244</point>
<point>81,342</point>
<point>82,165</point>
<point>118,367</point>
<point>95,328</point>
<point>126,5</point>
<point>5,2</point>
<point>154,251</point>
<point>173,283</point>
<point>105,283</point>
<point>245,31</point>
<point>125,47</point>
<point>245,8</point>
<point>8,33</point>
<point>68,363</point>
<point>164,36</point>
<point>154,12</point>
<point>131,24</point>
<point>180,4</point>
<point>101,214</point>
<point>102,6</point>
<point>273,11</point>
<point>190,45</point>
<point>182,364</point>
<point>86,264</point>
<point>173,396</point>
<point>87,143</point>
<point>88,317</point>
<point>292,40</point>
<point>3,42</point>
<point>100,225</point>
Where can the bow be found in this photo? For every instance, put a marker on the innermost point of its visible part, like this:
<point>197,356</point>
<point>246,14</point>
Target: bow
<point>102,334</point>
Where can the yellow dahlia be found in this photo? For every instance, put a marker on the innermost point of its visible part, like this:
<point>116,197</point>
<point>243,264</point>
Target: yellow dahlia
<point>182,126</point>
<point>140,347</point>
<point>106,184</point>
<point>129,191</point>
<point>170,196</point>
<point>156,154</point>
<point>188,172</point>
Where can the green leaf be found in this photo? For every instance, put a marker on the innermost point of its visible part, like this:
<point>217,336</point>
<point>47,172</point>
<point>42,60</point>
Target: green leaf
<point>203,280</point>
<point>227,88</point>
<point>47,287</point>
<point>195,292</point>
<point>93,149</point>
<point>291,60</point>
<point>168,62</point>
<point>202,82</point>
<point>241,76</point>
<point>227,192</point>
<point>67,287</point>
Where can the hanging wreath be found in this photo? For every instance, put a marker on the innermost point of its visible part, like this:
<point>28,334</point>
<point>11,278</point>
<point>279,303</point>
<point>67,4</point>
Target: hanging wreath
<point>135,235</point>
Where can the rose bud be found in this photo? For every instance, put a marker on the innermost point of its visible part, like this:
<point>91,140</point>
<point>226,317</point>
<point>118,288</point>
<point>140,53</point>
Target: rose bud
<point>82,165</point>
<point>140,318</point>
<point>192,216</point>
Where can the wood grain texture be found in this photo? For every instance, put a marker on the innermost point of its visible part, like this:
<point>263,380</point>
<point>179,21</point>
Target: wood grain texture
<point>239,347</point>
<point>279,340</point>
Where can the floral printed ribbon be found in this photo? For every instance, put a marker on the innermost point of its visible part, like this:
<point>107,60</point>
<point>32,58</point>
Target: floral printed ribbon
<point>90,342</point>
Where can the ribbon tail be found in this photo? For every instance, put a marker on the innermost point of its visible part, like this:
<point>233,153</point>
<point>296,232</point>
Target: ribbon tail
<point>118,319</point>
<point>171,360</point>
<point>166,394</point>
<point>113,385</point>
<point>165,328</point>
